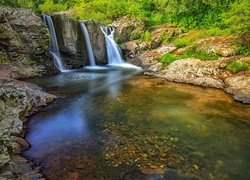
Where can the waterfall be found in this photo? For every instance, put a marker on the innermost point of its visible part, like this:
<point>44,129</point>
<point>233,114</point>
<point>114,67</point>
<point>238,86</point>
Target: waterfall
<point>53,45</point>
<point>88,44</point>
<point>113,50</point>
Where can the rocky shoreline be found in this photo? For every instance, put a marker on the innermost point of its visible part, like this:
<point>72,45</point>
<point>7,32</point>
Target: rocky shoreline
<point>18,101</point>
<point>188,70</point>
<point>207,74</point>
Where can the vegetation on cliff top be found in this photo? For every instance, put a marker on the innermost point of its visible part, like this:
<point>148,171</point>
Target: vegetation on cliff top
<point>233,15</point>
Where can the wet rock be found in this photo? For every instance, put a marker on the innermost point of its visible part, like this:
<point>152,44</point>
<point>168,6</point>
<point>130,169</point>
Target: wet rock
<point>70,40</point>
<point>23,144</point>
<point>98,41</point>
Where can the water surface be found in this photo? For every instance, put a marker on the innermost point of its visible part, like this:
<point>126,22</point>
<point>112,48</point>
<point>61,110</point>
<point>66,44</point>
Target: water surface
<point>113,124</point>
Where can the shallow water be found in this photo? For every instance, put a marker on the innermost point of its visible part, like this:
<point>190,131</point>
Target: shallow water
<point>114,124</point>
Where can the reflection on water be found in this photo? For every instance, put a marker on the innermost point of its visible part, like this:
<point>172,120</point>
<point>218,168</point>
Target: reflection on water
<point>113,126</point>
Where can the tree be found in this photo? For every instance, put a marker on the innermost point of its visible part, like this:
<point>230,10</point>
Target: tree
<point>237,20</point>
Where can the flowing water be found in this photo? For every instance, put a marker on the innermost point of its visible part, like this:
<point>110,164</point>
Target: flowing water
<point>113,49</point>
<point>113,124</point>
<point>53,45</point>
<point>88,44</point>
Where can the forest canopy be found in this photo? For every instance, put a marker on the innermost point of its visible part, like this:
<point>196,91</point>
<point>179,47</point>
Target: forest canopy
<point>200,14</point>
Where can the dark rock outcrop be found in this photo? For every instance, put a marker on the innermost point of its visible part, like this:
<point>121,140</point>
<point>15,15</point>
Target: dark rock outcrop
<point>72,42</point>
<point>24,40</point>
<point>97,40</point>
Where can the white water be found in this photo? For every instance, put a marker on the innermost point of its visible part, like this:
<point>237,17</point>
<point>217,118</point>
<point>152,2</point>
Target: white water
<point>113,50</point>
<point>53,45</point>
<point>88,44</point>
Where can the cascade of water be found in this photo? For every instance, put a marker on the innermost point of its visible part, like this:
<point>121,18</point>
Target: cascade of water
<point>53,45</point>
<point>88,44</point>
<point>113,50</point>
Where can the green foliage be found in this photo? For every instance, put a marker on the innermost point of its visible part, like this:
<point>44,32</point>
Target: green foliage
<point>193,35</point>
<point>189,38</point>
<point>200,55</point>
<point>17,3</point>
<point>237,20</point>
<point>237,66</point>
<point>167,59</point>
<point>146,36</point>
<point>217,16</point>
<point>244,50</point>
<point>49,7</point>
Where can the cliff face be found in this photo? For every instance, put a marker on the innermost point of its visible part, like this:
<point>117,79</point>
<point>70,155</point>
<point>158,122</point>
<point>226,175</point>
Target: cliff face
<point>97,41</point>
<point>72,43</point>
<point>24,40</point>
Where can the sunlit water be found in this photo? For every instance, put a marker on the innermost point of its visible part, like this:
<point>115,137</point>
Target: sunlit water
<point>113,124</point>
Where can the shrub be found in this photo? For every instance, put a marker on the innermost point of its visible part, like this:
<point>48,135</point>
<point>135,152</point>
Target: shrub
<point>237,66</point>
<point>237,20</point>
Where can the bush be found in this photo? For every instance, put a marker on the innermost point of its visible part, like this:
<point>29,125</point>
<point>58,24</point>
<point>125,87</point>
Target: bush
<point>237,66</point>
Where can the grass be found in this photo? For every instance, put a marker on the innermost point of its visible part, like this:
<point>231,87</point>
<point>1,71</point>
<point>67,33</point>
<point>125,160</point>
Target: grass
<point>169,58</point>
<point>193,35</point>
<point>236,66</point>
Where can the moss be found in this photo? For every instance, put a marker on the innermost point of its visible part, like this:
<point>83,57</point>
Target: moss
<point>237,66</point>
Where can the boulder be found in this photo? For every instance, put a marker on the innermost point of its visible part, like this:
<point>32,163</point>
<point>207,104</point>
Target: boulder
<point>194,71</point>
<point>128,28</point>
<point>239,87</point>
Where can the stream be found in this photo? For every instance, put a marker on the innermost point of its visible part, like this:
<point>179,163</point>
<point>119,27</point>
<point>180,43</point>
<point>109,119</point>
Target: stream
<point>117,124</point>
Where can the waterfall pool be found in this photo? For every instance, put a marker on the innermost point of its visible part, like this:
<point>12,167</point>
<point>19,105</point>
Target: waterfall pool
<point>117,124</point>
